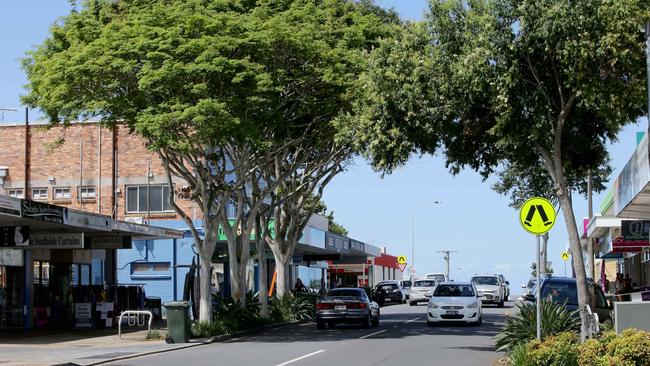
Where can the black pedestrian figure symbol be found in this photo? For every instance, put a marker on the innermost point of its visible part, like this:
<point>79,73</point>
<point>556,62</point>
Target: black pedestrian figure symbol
<point>531,214</point>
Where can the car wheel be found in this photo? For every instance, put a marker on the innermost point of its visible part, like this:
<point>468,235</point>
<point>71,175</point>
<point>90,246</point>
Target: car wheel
<point>429,323</point>
<point>506,298</point>
<point>404,301</point>
<point>500,304</point>
<point>375,321</point>
<point>320,324</point>
<point>411,303</point>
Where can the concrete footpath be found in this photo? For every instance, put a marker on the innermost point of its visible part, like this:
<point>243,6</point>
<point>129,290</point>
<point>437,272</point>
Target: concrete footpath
<point>81,347</point>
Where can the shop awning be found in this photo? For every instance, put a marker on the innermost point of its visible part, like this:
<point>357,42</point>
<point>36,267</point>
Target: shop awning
<point>40,220</point>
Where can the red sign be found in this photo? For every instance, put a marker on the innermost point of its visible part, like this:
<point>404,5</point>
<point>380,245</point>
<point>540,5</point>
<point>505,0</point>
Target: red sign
<point>401,266</point>
<point>362,282</point>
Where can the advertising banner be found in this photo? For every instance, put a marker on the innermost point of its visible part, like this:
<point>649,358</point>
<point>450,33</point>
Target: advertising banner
<point>14,236</point>
<point>10,206</point>
<point>83,315</point>
<point>635,233</point>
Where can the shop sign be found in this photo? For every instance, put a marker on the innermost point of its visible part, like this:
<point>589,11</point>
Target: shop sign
<point>14,236</point>
<point>11,257</point>
<point>635,233</point>
<point>362,282</point>
<point>222,235</point>
<point>83,315</point>
<point>44,212</point>
<point>10,206</point>
<point>57,241</point>
<point>107,242</point>
<point>633,178</point>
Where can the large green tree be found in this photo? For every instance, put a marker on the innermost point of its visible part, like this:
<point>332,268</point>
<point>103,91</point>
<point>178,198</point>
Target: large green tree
<point>541,84</point>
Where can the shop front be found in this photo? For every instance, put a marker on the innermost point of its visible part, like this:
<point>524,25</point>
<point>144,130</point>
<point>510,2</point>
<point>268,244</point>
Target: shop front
<point>57,266</point>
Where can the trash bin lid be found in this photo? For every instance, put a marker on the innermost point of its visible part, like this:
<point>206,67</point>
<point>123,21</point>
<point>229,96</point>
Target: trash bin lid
<point>177,304</point>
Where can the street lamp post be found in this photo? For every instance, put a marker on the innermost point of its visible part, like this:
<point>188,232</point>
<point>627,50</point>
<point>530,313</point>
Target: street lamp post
<point>413,230</point>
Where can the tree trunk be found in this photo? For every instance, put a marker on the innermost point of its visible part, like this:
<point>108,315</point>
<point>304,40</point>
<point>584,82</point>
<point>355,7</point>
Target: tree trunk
<point>282,270</point>
<point>238,272</point>
<point>263,284</point>
<point>205,292</point>
<point>578,263</point>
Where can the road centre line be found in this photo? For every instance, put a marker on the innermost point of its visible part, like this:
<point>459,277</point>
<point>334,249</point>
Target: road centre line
<point>372,334</point>
<point>300,358</point>
<point>411,321</point>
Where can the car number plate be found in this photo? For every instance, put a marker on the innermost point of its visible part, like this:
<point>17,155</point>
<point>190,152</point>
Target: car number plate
<point>387,299</point>
<point>452,312</point>
<point>340,307</point>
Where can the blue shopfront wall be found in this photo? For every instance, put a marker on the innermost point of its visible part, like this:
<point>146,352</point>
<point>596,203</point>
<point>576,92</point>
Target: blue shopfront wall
<point>159,265</point>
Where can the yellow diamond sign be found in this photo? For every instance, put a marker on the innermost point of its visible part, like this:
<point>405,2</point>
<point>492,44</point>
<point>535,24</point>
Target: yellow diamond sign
<point>565,256</point>
<point>537,215</point>
<point>401,259</point>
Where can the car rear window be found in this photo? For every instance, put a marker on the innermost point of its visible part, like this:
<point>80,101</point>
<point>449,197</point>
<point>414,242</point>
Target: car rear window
<point>437,277</point>
<point>560,292</point>
<point>425,284</point>
<point>454,291</point>
<point>344,292</point>
<point>387,287</point>
<point>406,283</point>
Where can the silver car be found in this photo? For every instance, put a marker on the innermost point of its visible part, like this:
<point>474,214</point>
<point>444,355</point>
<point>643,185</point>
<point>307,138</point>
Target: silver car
<point>347,305</point>
<point>489,289</point>
<point>421,291</point>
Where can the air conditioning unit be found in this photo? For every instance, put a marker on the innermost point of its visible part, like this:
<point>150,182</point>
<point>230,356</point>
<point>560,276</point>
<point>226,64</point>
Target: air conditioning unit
<point>135,219</point>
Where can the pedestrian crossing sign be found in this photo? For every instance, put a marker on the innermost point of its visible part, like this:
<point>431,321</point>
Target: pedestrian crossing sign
<point>565,256</point>
<point>401,259</point>
<point>537,215</point>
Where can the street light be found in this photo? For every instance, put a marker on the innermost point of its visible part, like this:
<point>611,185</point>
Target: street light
<point>413,229</point>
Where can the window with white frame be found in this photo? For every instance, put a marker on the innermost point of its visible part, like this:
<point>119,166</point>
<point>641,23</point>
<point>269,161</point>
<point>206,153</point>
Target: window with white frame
<point>39,193</point>
<point>62,193</point>
<point>87,193</point>
<point>16,193</point>
<point>152,198</point>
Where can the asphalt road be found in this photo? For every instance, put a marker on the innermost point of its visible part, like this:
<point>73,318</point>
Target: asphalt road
<point>402,338</point>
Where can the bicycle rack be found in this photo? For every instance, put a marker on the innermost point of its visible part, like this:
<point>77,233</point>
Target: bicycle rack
<point>133,318</point>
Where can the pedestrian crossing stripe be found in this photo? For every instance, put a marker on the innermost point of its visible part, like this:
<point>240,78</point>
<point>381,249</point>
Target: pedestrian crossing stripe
<point>537,215</point>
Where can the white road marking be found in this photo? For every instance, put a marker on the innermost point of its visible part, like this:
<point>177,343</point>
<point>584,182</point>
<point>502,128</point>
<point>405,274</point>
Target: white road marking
<point>372,334</point>
<point>411,321</point>
<point>300,358</point>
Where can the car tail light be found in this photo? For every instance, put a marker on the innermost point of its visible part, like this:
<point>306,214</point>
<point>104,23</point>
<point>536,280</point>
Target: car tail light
<point>357,305</point>
<point>324,306</point>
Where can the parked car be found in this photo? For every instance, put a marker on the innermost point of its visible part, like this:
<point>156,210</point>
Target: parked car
<point>455,302</point>
<point>440,277</point>
<point>421,291</point>
<point>506,286</point>
<point>406,287</point>
<point>389,291</point>
<point>346,305</point>
<point>563,290</point>
<point>528,287</point>
<point>489,289</point>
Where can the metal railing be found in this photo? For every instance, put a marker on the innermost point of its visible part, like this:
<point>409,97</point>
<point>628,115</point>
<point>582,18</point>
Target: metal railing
<point>134,317</point>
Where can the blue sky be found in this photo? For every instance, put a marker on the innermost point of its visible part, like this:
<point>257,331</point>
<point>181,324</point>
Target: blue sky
<point>472,219</point>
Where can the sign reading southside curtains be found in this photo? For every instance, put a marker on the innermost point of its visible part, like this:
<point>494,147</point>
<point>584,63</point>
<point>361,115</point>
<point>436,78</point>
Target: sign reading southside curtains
<point>57,241</point>
<point>44,212</point>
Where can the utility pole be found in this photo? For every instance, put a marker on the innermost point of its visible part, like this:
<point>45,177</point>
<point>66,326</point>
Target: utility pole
<point>413,231</point>
<point>447,257</point>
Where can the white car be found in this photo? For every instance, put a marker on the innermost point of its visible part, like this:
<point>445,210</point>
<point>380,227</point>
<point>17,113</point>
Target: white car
<point>489,289</point>
<point>440,277</point>
<point>421,291</point>
<point>454,302</point>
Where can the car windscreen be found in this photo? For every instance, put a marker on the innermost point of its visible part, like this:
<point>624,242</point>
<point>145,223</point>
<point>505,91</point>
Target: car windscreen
<point>437,277</point>
<point>531,284</point>
<point>425,283</point>
<point>344,292</point>
<point>406,283</point>
<point>454,291</point>
<point>487,280</point>
<point>560,292</point>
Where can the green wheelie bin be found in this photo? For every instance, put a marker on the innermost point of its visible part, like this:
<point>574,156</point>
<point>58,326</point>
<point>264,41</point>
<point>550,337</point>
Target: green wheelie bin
<point>179,327</point>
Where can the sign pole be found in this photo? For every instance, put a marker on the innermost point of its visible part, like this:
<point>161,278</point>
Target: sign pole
<point>539,292</point>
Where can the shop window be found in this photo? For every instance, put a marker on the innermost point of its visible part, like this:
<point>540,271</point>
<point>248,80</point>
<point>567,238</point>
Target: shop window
<point>87,193</point>
<point>62,193</point>
<point>80,274</point>
<point>646,255</point>
<point>39,193</point>
<point>16,193</point>
<point>153,198</point>
<point>97,272</point>
<point>150,268</point>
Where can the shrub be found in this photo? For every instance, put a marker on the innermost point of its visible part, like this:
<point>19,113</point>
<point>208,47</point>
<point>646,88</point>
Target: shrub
<point>202,329</point>
<point>291,307</point>
<point>630,348</point>
<point>153,335</point>
<point>521,327</point>
<point>559,350</point>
